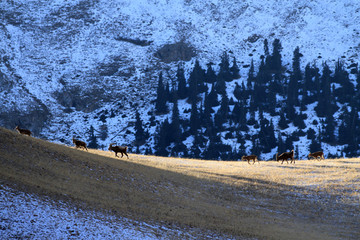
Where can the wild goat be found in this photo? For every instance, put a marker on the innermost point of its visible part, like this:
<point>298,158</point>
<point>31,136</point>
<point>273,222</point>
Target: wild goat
<point>119,149</point>
<point>79,144</point>
<point>285,156</point>
<point>250,157</point>
<point>317,155</point>
<point>23,131</point>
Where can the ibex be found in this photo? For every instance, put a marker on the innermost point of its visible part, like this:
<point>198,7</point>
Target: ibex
<point>23,131</point>
<point>285,156</point>
<point>119,149</point>
<point>250,157</point>
<point>317,155</point>
<point>79,144</point>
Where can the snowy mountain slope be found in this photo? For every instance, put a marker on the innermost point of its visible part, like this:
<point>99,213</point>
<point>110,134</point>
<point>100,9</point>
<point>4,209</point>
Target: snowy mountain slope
<point>82,59</point>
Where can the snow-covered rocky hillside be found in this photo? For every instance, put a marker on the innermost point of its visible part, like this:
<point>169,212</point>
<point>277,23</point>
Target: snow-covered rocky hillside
<point>69,65</point>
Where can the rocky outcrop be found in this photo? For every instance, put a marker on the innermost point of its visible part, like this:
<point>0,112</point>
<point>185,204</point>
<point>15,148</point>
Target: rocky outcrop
<point>180,51</point>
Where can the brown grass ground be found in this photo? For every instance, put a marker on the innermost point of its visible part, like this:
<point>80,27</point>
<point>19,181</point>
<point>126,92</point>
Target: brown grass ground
<point>308,200</point>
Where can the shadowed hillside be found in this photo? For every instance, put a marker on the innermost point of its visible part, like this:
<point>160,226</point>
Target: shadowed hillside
<point>307,200</point>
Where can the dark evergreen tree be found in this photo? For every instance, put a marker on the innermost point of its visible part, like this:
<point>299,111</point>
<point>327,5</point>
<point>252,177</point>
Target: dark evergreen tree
<point>329,133</point>
<point>212,97</point>
<point>93,142</point>
<point>194,119</point>
<point>347,128</point>
<point>236,112</point>
<point>210,75</point>
<point>235,71</point>
<point>295,80</point>
<point>309,88</point>
<point>266,137</point>
<point>195,151</point>
<point>346,91</point>
<point>212,151</point>
<point>281,144</point>
<point>196,82</point>
<point>222,114</point>
<point>175,128</point>
<point>140,135</point>
<point>239,93</point>
<point>275,60</point>
<point>324,107</point>
<point>266,48</point>
<point>311,134</point>
<point>220,85</point>
<point>206,117</point>
<point>162,139</point>
<point>160,104</point>
<point>299,121</point>
<point>259,93</point>
<point>182,90</point>
<point>283,123</point>
<point>251,76</point>
<point>167,93</point>
<point>224,71</point>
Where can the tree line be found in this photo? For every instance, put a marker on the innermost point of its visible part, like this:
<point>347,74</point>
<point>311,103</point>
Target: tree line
<point>261,106</point>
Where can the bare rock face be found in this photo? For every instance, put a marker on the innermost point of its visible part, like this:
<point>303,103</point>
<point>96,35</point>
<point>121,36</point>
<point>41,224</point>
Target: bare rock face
<point>180,51</point>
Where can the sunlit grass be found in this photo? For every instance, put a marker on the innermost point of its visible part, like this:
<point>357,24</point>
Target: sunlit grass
<point>319,198</point>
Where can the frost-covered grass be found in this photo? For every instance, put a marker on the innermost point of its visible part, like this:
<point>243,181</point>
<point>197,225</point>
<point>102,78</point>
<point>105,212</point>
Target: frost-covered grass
<point>27,216</point>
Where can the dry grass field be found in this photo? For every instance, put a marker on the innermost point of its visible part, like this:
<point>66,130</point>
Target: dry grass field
<point>307,200</point>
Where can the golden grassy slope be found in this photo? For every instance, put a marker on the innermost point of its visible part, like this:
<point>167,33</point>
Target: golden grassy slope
<point>308,200</point>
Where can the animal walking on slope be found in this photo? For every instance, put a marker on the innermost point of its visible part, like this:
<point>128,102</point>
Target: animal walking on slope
<point>23,131</point>
<point>285,156</point>
<point>317,155</point>
<point>250,157</point>
<point>79,144</point>
<point>118,149</point>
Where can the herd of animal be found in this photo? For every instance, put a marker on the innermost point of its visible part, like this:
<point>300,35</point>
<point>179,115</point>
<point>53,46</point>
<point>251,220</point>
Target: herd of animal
<point>285,156</point>
<point>80,144</point>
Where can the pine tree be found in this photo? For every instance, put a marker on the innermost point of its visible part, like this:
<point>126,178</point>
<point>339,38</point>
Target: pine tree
<point>210,75</point>
<point>283,123</point>
<point>92,138</point>
<point>238,92</point>
<point>324,107</point>
<point>182,90</point>
<point>139,130</point>
<point>160,105</point>
<point>212,151</point>
<point>309,90</point>
<point>222,114</point>
<point>295,79</point>
<point>275,60</point>
<point>224,71</point>
<point>220,86</point>
<point>175,124</point>
<point>262,79</point>
<point>329,134</point>
<point>266,47</point>
<point>213,97</point>
<point>196,82</point>
<point>251,77</point>
<point>194,119</point>
<point>281,144</point>
<point>346,92</point>
<point>235,71</point>
<point>162,139</point>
